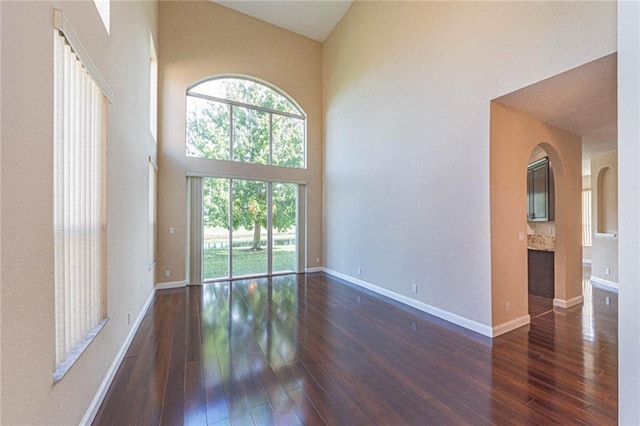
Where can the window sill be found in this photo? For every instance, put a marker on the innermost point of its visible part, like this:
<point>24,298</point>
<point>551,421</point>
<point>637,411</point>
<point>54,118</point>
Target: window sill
<point>72,357</point>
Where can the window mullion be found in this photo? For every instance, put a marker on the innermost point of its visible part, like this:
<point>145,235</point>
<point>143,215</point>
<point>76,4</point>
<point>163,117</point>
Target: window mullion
<point>231,133</point>
<point>230,226</point>
<point>270,139</point>
<point>269,228</point>
<point>244,105</point>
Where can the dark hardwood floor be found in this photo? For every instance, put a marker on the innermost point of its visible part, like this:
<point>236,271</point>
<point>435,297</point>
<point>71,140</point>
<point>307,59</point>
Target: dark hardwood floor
<point>539,305</point>
<point>312,350</point>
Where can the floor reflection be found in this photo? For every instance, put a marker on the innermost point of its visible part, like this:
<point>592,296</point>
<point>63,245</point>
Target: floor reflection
<point>571,362</point>
<point>310,349</point>
<point>249,334</point>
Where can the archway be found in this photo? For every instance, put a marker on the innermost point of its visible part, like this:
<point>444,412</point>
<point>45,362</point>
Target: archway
<point>514,136</point>
<point>541,232</point>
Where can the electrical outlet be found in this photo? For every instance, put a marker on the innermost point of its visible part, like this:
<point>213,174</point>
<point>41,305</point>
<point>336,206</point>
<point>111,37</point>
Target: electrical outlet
<point>508,306</point>
<point>317,260</point>
<point>414,288</point>
<point>359,270</point>
<point>607,300</point>
<point>607,271</point>
<point>172,230</point>
<point>167,273</point>
<point>128,318</point>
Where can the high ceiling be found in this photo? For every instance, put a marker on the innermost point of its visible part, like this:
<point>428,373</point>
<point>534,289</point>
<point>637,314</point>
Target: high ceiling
<point>310,18</point>
<point>582,101</point>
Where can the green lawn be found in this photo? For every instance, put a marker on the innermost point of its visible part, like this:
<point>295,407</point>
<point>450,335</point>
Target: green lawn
<point>246,262</point>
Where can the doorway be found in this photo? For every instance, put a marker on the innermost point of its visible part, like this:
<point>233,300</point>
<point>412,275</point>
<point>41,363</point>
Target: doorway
<point>541,233</point>
<point>247,228</point>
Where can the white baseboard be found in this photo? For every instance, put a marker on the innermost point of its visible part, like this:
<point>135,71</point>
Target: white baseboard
<point>561,303</point>
<point>511,325</point>
<point>91,412</point>
<point>600,282</point>
<point>172,284</point>
<point>314,269</point>
<point>447,316</point>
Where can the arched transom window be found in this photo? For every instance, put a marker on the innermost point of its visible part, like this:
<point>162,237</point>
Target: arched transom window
<point>238,119</point>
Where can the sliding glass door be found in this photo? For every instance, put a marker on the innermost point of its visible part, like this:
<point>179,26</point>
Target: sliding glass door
<point>284,226</point>
<point>215,228</point>
<point>249,230</point>
<point>248,227</point>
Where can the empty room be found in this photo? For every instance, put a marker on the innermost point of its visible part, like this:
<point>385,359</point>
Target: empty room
<point>319,212</point>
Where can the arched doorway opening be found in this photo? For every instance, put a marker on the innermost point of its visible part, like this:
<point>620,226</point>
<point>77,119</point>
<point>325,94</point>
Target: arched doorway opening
<point>541,233</point>
<point>514,136</point>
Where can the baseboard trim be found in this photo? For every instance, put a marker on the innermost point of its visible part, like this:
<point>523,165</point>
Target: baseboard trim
<point>314,269</point>
<point>599,282</point>
<point>172,284</point>
<point>561,303</point>
<point>93,408</point>
<point>511,325</point>
<point>424,307</point>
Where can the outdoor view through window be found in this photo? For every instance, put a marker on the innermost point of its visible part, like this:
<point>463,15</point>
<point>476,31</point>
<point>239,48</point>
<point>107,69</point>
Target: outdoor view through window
<point>249,226</point>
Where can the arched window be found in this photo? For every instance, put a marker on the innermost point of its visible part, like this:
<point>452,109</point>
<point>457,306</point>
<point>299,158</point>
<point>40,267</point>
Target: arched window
<point>238,119</point>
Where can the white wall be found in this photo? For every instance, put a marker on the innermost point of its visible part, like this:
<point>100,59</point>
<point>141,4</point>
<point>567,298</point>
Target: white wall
<point>28,357</point>
<point>629,206</point>
<point>0,217</point>
<point>407,89</point>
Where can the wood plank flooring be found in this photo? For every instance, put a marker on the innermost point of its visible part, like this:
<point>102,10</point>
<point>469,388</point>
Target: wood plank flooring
<point>539,305</point>
<point>309,349</point>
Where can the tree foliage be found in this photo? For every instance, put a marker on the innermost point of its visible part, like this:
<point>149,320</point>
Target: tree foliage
<point>221,131</point>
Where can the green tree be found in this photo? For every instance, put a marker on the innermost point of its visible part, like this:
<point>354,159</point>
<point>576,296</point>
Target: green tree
<point>253,136</point>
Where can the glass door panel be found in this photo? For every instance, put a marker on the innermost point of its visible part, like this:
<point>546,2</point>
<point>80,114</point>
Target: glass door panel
<point>215,222</point>
<point>284,247</point>
<point>249,236</point>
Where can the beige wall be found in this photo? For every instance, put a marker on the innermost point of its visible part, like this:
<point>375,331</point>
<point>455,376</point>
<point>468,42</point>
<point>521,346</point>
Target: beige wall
<point>604,251</point>
<point>28,358</point>
<point>407,91</point>
<point>513,137</point>
<point>202,39</point>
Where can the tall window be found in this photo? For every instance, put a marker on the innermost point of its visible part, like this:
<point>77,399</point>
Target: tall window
<point>586,218</point>
<point>237,119</point>
<point>153,89</point>
<point>79,204</point>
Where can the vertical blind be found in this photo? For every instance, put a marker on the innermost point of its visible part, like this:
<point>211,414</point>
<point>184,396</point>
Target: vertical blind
<point>79,204</point>
<point>586,218</point>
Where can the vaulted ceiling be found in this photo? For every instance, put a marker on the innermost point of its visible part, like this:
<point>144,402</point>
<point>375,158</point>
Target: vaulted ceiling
<point>582,101</point>
<point>310,18</point>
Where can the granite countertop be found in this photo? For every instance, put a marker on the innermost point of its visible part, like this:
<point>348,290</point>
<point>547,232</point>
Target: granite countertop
<point>541,242</point>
